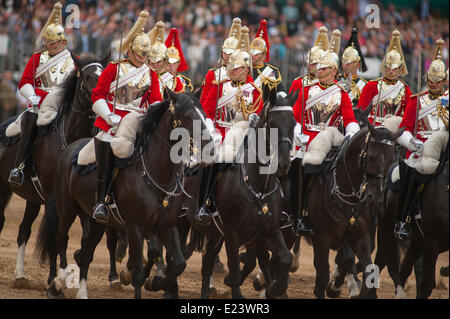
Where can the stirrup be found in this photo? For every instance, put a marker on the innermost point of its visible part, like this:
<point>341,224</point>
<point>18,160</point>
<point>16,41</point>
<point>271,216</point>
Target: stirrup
<point>401,230</point>
<point>301,229</point>
<point>100,213</point>
<point>16,177</point>
<point>203,217</point>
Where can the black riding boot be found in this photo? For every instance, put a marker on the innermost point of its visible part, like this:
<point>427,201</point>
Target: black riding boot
<point>203,216</point>
<point>27,139</point>
<point>105,167</point>
<point>406,201</point>
<point>301,227</point>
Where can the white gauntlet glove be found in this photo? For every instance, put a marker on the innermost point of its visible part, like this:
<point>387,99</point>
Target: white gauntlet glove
<point>100,107</point>
<point>351,129</point>
<point>112,119</point>
<point>253,120</point>
<point>34,100</point>
<point>300,139</point>
<point>412,144</point>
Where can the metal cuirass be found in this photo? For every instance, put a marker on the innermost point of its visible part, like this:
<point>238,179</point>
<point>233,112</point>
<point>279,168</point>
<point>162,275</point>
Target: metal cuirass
<point>322,111</point>
<point>55,75</point>
<point>393,103</point>
<point>438,116</point>
<point>135,88</point>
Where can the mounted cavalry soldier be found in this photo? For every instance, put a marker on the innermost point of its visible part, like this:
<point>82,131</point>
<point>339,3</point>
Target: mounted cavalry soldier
<point>46,69</point>
<point>219,74</point>
<point>126,86</point>
<point>393,95</point>
<point>320,108</point>
<point>234,106</point>
<point>264,73</point>
<point>176,64</point>
<point>425,136</point>
<point>352,60</point>
<point>311,59</point>
<point>158,57</point>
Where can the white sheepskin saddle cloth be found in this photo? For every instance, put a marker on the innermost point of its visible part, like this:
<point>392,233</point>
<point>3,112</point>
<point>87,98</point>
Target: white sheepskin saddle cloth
<point>122,143</point>
<point>321,145</point>
<point>227,151</point>
<point>432,150</point>
<point>47,112</point>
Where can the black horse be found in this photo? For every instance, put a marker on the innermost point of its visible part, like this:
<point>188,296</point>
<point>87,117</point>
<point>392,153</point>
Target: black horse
<point>430,236</point>
<point>146,192</point>
<point>339,204</point>
<point>252,218</point>
<point>73,121</point>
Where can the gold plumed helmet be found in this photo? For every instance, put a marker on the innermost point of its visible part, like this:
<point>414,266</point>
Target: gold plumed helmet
<point>436,71</point>
<point>158,50</point>
<point>231,42</point>
<point>329,58</point>
<point>319,47</point>
<point>53,30</point>
<point>241,55</point>
<point>352,52</point>
<point>335,42</point>
<point>394,56</point>
<point>137,40</point>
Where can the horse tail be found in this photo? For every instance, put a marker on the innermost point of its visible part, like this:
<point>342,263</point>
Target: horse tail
<point>46,239</point>
<point>196,240</point>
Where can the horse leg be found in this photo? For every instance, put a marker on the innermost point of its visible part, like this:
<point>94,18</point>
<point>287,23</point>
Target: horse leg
<point>296,255</point>
<point>429,257</point>
<point>31,212</point>
<point>232,279</point>
<point>111,242</point>
<point>250,263</point>
<point>278,247</point>
<point>5,197</point>
<point>264,277</point>
<point>362,251</point>
<point>213,248</point>
<point>413,253</point>
<point>344,262</point>
<point>66,218</point>
<point>89,242</point>
<point>321,253</point>
<point>135,260</point>
<point>122,244</point>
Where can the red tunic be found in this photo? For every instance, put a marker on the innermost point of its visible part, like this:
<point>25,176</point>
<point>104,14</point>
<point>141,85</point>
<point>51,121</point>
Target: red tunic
<point>296,85</point>
<point>371,89</point>
<point>29,75</point>
<point>102,92</point>
<point>409,117</point>
<point>207,85</point>
<point>345,110</point>
<point>209,105</point>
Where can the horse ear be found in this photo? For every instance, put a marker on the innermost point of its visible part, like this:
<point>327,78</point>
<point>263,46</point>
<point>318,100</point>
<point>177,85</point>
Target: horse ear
<point>273,97</point>
<point>372,129</point>
<point>367,111</point>
<point>106,59</point>
<point>395,136</point>
<point>76,60</point>
<point>171,95</point>
<point>292,98</point>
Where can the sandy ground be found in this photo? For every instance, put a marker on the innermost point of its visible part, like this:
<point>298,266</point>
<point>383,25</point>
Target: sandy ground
<point>301,286</point>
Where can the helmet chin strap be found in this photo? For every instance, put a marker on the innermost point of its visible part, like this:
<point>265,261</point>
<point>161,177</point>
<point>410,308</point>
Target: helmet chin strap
<point>321,78</point>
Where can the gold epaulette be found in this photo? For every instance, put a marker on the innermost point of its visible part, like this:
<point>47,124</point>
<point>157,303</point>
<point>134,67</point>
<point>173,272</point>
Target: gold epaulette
<point>188,80</point>
<point>273,67</point>
<point>364,80</point>
<point>340,86</point>
<point>415,95</point>
<point>117,61</point>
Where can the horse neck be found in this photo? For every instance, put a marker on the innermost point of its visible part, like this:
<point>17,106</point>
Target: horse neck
<point>157,154</point>
<point>348,170</point>
<point>254,170</point>
<point>77,124</point>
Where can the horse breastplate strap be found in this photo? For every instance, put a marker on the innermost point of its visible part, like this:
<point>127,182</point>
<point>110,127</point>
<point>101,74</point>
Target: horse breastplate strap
<point>136,82</point>
<point>53,71</point>
<point>322,111</point>
<point>432,114</point>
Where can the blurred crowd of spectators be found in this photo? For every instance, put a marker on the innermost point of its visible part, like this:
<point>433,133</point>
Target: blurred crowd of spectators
<point>202,25</point>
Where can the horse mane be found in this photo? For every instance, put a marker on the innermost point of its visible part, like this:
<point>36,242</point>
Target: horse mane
<point>69,87</point>
<point>149,123</point>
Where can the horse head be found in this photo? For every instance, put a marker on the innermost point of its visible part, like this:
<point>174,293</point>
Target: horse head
<point>377,156</point>
<point>278,114</point>
<point>362,115</point>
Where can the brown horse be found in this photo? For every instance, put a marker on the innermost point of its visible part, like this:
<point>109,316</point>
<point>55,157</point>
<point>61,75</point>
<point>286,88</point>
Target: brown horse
<point>339,204</point>
<point>73,121</point>
<point>146,192</point>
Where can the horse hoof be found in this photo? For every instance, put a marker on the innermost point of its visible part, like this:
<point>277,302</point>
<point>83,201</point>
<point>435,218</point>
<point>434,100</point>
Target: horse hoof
<point>59,295</point>
<point>275,290</point>
<point>21,283</point>
<point>125,277</point>
<point>212,292</point>
<point>243,258</point>
<point>171,295</point>
<point>154,283</point>
<point>332,291</point>
<point>115,285</point>
<point>77,257</point>
<point>257,285</point>
<point>218,268</point>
